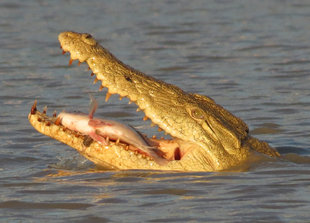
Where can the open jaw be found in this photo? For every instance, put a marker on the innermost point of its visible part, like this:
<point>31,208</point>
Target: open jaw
<point>116,153</point>
<point>113,152</point>
<point>205,136</point>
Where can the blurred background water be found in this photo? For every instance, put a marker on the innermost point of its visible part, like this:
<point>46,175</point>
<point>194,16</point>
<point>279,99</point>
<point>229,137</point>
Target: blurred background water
<point>252,57</point>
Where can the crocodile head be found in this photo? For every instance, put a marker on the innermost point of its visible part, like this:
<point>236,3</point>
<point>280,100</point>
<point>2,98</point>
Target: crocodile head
<point>204,135</point>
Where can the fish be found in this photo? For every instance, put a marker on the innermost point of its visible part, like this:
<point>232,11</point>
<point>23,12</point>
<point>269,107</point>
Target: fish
<point>103,130</point>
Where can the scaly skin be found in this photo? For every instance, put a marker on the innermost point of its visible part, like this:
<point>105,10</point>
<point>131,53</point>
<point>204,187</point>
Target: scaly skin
<point>209,137</point>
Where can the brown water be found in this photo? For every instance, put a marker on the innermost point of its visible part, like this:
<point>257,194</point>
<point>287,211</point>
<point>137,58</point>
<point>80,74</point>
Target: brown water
<point>251,57</point>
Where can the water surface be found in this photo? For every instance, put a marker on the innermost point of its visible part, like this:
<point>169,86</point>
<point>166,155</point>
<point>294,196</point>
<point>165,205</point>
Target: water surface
<point>251,57</point>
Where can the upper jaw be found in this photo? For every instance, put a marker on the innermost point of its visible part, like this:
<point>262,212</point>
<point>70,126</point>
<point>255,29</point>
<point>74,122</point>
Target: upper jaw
<point>139,88</point>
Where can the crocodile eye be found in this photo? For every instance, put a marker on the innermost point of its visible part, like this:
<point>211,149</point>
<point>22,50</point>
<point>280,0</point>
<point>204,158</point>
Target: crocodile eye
<point>197,114</point>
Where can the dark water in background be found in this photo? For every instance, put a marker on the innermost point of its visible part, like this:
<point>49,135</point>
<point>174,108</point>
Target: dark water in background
<point>251,57</point>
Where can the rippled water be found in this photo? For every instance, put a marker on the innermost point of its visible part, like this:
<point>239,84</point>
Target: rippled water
<point>251,57</point>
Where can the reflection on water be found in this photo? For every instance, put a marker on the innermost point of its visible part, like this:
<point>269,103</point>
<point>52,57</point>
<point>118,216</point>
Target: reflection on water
<point>251,57</point>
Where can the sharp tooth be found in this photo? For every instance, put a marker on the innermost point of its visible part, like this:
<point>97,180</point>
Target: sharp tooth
<point>92,74</point>
<point>152,124</point>
<point>117,141</point>
<point>44,110</point>
<point>107,96</point>
<point>129,102</point>
<point>54,114</point>
<point>88,68</point>
<point>79,63</point>
<point>58,121</point>
<point>100,88</point>
<point>95,80</point>
<point>120,98</point>
<point>159,130</point>
<point>107,140</point>
<point>138,109</point>
<point>63,52</point>
<point>127,148</point>
<point>136,152</point>
<point>34,108</point>
<point>145,118</point>
<point>70,61</point>
<point>154,137</point>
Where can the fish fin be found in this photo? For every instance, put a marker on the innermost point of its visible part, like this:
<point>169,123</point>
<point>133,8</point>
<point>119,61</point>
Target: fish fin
<point>157,158</point>
<point>98,138</point>
<point>93,106</point>
<point>145,139</point>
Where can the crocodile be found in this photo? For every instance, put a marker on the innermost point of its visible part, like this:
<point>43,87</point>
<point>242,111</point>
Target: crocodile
<point>204,135</point>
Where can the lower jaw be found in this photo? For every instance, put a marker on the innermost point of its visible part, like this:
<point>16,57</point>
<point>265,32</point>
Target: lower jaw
<point>166,148</point>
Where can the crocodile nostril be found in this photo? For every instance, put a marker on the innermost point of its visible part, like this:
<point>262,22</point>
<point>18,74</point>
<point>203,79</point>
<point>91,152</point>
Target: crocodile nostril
<point>128,79</point>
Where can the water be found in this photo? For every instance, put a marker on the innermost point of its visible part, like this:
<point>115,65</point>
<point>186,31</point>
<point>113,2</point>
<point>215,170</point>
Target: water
<point>251,57</point>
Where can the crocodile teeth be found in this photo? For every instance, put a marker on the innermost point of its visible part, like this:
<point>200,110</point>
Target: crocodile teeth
<point>159,130</point>
<point>145,118</point>
<point>44,110</point>
<point>95,80</point>
<point>79,63</point>
<point>54,114</point>
<point>117,141</point>
<point>34,108</point>
<point>120,98</point>
<point>63,52</point>
<point>107,96</point>
<point>70,61</point>
<point>92,74</point>
<point>57,122</point>
<point>100,88</point>
<point>138,109</point>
